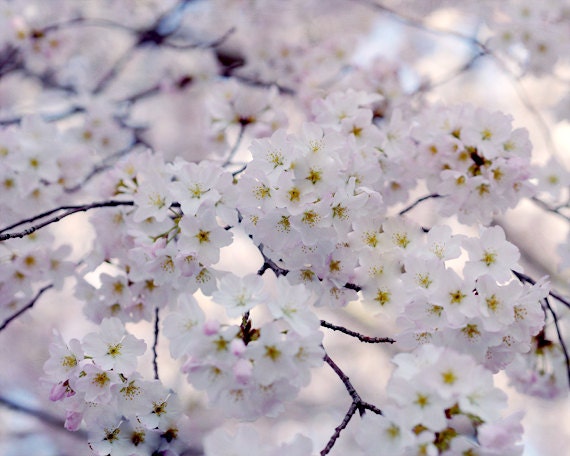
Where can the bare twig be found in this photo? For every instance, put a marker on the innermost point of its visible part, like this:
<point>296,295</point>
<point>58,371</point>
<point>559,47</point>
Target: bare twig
<point>357,405</point>
<point>44,417</point>
<point>360,337</point>
<point>155,344</point>
<point>69,210</point>
<point>560,338</point>
<point>422,199</point>
<point>26,307</point>
<point>525,278</point>
<point>546,207</point>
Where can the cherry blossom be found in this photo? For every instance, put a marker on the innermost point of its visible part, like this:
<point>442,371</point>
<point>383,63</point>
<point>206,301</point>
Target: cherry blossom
<point>272,191</point>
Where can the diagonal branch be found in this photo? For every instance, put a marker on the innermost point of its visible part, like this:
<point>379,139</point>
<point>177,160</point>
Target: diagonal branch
<point>27,307</point>
<point>360,337</point>
<point>44,417</point>
<point>357,405</point>
<point>420,200</point>
<point>69,210</point>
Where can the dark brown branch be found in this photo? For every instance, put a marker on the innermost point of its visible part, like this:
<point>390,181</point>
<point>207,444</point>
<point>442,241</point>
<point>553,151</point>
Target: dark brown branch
<point>26,307</point>
<point>524,278</point>
<point>560,338</point>
<point>360,337</point>
<point>155,344</point>
<point>69,210</point>
<point>268,263</point>
<point>420,200</point>
<point>357,405</point>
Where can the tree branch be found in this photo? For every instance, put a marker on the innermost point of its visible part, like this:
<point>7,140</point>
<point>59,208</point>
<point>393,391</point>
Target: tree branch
<point>27,307</point>
<point>360,337</point>
<point>155,344</point>
<point>44,417</point>
<point>421,200</point>
<point>69,210</point>
<point>357,405</point>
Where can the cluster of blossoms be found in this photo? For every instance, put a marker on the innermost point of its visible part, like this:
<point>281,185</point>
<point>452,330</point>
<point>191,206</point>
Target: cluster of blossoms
<point>97,382</point>
<point>337,149</point>
<point>315,204</point>
<point>441,403</point>
<point>483,312</point>
<point>475,159</point>
<point>250,372</point>
<point>530,33</point>
<point>33,167</point>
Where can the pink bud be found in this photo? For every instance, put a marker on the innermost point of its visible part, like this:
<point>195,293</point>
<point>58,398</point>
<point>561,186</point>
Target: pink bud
<point>242,371</point>
<point>59,391</point>
<point>73,420</point>
<point>211,327</point>
<point>237,347</point>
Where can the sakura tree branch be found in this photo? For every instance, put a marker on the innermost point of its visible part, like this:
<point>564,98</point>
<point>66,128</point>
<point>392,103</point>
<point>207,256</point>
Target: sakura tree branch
<point>560,338</point>
<point>525,278</point>
<point>360,337</point>
<point>114,71</point>
<point>546,207</point>
<point>242,127</point>
<point>420,25</point>
<point>69,210</point>
<point>484,50</point>
<point>155,344</point>
<point>428,85</point>
<point>44,417</point>
<point>420,200</point>
<point>357,405</point>
<point>26,307</point>
<point>109,161</point>
<point>268,263</point>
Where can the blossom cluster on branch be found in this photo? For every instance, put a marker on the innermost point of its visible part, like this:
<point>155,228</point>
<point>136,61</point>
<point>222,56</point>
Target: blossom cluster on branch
<point>186,129</point>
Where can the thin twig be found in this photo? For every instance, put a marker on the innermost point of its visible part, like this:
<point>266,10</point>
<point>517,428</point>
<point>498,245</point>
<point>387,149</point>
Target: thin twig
<point>357,405</point>
<point>560,338</point>
<point>69,210</point>
<point>236,145</point>
<point>420,25</point>
<point>114,70</point>
<point>525,278</point>
<point>546,207</point>
<point>44,417</point>
<point>422,199</point>
<point>360,337</point>
<point>27,307</point>
<point>155,344</point>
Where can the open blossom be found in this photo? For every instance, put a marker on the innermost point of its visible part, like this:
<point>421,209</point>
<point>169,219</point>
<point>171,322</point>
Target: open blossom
<point>327,204</point>
<point>292,303</point>
<point>240,294</point>
<point>113,348</point>
<point>448,398</point>
<point>491,254</point>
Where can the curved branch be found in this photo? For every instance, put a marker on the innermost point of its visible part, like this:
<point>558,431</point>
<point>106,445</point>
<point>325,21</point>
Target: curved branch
<point>27,307</point>
<point>421,200</point>
<point>360,337</point>
<point>560,338</point>
<point>69,210</point>
<point>44,417</point>
<point>357,405</point>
